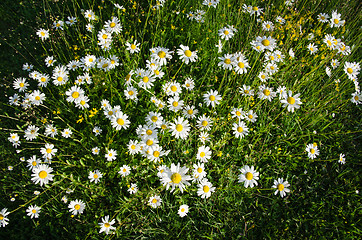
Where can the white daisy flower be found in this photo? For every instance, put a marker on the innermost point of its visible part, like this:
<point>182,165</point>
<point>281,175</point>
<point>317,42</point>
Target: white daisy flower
<point>281,187</point>
<point>248,176</point>
<point>176,177</point>
<point>76,207</point>
<point>42,174</point>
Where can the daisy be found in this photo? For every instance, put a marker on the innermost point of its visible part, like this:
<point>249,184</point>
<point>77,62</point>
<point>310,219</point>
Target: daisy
<point>328,40</point>
<point>204,137</point>
<point>33,211</point>
<point>21,84</point>
<point>351,69</point>
<point>189,84</point>
<point>31,132</point>
<point>33,162</point>
<point>95,150</point>
<point>155,119</point>
<point>113,25</point>
<point>240,129</point>
<point>342,159</point>
<point>58,25</point>
<point>120,120</point>
<point>356,98</point>
<point>48,151</point>
<point>66,133</point>
<point>89,61</point>
<point>203,154</point>
<point>312,48</point>
<point>106,225</point>
<point>42,174</point>
<point>125,170</point>
<point>291,53</point>
<point>312,150</point>
<point>204,123</point>
<point>186,55</point>
<point>227,61</point>
<point>3,219</point>
<point>266,93</point>
<point>237,113</point>
<point>180,129</point>
<point>212,98</point>
<point>89,14</point>
<point>37,97</point>
<point>257,11</point>
<point>97,130</point>
<point>43,34</point>
<point>147,79</point>
<point>133,188</point>
<point>290,101</point>
<point>89,27</point>
<point>251,116</point>
<point>226,32</point>
<point>183,210</point>
<point>246,90</point>
<point>282,92</point>
<point>335,20</point>
<point>172,88</point>
<point>148,132</point>
<point>190,112</point>
<point>268,26</point>
<point>281,187</point>
<point>175,104</point>
<point>219,46</point>
<point>13,137</point>
<point>205,188</point>
<point>49,61</point>
<point>334,63</point>
<point>133,47</point>
<point>60,78</point>
<point>95,176</point>
<point>14,100</point>
<point>51,131</point>
<point>76,207</point>
<point>43,80</point>
<point>248,176</point>
<point>176,177</point>
<point>111,155</point>
<point>265,43</point>
<point>161,55</point>
<point>155,201</point>
<point>280,20</point>
<point>71,21</point>
<point>323,17</point>
<point>82,102</point>
<point>240,63</point>
<point>199,171</point>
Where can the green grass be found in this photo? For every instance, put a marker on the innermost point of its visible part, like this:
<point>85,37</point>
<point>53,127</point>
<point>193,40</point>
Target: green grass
<point>324,201</point>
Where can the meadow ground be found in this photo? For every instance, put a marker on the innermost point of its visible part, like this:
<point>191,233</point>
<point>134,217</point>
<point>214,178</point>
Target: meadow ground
<point>180,119</point>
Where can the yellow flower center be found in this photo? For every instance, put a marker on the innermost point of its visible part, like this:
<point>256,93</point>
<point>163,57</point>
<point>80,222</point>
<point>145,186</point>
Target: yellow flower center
<point>145,79</point>
<point>173,88</point>
<point>175,104</point>
<point>188,53</point>
<point>202,154</point>
<point>212,98</point>
<point>291,100</point>
<point>272,67</point>
<point>42,33</point>
<point>43,174</point>
<point>255,8</point>
<point>187,85</point>
<point>107,225</point>
<point>190,111</point>
<point>227,61</point>
<point>105,65</point>
<point>179,127</point>
<point>280,187</point>
<point>238,113</point>
<point>82,102</point>
<point>130,93</point>
<point>75,94</point>
<point>249,176</point>
<point>156,72</point>
<point>95,176</point>
<point>104,36</point>
<point>149,142</point>
<point>133,147</point>
<point>112,25</point>
<point>265,42</point>
<point>33,211</point>
<point>268,26</point>
<point>149,132</point>
<point>350,70</point>
<point>58,25</point>
<point>60,79</point>
<point>1,217</point>
<point>156,154</point>
<point>329,42</point>
<point>33,163</point>
<point>199,170</point>
<point>120,121</point>
<point>240,129</point>
<point>266,92</point>
<point>154,200</point>
<point>336,21</point>
<point>77,207</point>
<point>37,98</point>
<point>176,178</point>
<point>133,47</point>
<point>48,150</point>
<point>206,189</point>
<point>43,79</point>
<point>182,209</point>
<point>312,151</point>
<point>246,91</point>
<point>204,123</point>
<point>271,57</point>
<point>356,98</point>
<point>226,32</point>
<point>21,84</point>
<point>164,126</point>
<point>161,54</point>
<point>311,49</point>
<point>241,64</point>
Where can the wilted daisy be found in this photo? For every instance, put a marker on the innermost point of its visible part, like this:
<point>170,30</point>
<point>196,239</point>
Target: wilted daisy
<point>125,170</point>
<point>76,207</point>
<point>106,225</point>
<point>248,176</point>
<point>183,210</point>
<point>186,55</point>
<point>42,174</point>
<point>155,201</point>
<point>212,98</point>
<point>312,150</point>
<point>95,176</point>
<point>111,155</point>
<point>342,159</point>
<point>133,47</point>
<point>240,129</point>
<point>281,187</point>
<point>43,34</point>
<point>203,153</point>
<point>205,189</point>
<point>175,177</point>
<point>291,101</point>
<point>33,211</point>
<point>180,129</point>
<point>3,219</point>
